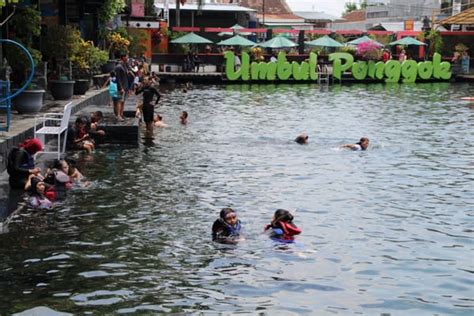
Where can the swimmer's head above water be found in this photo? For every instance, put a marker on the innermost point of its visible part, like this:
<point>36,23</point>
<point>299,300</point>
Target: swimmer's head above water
<point>363,143</point>
<point>302,139</point>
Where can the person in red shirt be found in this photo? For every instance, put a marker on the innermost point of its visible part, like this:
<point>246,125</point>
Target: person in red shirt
<point>386,56</point>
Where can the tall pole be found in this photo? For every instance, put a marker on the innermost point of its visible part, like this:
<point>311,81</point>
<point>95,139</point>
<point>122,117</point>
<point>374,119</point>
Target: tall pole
<point>263,12</point>
<point>178,22</point>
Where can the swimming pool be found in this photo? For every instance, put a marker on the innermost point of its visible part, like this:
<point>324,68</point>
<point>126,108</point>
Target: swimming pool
<point>388,230</point>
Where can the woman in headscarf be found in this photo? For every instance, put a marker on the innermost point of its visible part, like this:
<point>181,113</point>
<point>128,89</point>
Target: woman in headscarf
<point>21,165</point>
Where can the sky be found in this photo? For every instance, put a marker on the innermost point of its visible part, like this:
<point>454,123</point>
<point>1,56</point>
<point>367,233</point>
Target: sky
<point>334,7</point>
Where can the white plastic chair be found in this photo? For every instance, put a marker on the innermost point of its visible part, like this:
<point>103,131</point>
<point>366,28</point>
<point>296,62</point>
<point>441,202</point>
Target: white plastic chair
<point>53,124</point>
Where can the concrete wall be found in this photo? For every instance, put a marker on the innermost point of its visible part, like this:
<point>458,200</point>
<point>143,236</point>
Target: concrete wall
<point>7,143</point>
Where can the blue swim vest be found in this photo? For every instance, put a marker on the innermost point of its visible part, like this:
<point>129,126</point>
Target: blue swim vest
<point>113,89</point>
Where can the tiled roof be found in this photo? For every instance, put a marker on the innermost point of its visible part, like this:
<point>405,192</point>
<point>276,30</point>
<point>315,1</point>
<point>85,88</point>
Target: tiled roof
<point>465,17</point>
<point>271,6</point>
<point>357,15</point>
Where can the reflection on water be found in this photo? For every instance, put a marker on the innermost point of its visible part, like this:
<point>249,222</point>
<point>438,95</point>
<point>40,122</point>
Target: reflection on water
<point>384,231</point>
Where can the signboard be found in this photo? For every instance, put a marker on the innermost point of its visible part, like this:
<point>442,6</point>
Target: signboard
<point>409,25</point>
<point>391,71</point>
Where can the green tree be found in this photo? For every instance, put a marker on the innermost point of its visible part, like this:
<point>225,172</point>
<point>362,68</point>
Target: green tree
<point>349,7</point>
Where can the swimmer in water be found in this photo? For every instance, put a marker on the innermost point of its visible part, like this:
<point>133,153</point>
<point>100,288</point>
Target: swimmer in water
<point>226,229</point>
<point>302,139</point>
<point>158,121</point>
<point>363,144</point>
<point>183,118</point>
<point>282,227</point>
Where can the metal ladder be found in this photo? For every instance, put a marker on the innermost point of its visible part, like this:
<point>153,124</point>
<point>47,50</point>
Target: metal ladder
<point>5,106</point>
<point>323,75</point>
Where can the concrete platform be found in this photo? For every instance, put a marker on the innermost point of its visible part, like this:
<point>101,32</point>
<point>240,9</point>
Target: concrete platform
<point>123,133</point>
<point>22,125</point>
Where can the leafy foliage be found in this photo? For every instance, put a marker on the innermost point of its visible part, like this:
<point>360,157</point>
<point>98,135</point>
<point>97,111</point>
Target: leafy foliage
<point>87,57</point>
<point>60,41</point>
<point>25,24</point>
<point>369,51</point>
<point>110,9</point>
<point>4,2</point>
<point>349,49</point>
<point>460,48</point>
<point>435,41</point>
<point>118,42</point>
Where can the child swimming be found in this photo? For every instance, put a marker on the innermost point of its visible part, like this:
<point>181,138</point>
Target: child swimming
<point>363,144</point>
<point>282,227</point>
<point>226,229</point>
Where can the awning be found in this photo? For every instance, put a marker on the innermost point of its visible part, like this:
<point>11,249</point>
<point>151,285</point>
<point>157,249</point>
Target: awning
<point>204,7</point>
<point>466,17</point>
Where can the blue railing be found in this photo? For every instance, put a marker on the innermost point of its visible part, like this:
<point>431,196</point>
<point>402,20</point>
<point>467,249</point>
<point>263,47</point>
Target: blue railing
<point>5,93</point>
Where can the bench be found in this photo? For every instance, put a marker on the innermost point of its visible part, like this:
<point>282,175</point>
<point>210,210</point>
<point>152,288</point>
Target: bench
<point>53,124</point>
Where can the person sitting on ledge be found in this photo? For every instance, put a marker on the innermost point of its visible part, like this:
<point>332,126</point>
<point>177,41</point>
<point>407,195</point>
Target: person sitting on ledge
<point>363,144</point>
<point>20,162</point>
<point>226,229</point>
<point>78,138</point>
<point>302,139</point>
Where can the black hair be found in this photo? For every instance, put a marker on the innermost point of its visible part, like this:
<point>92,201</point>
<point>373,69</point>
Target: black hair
<point>301,139</point>
<point>283,216</point>
<point>185,114</point>
<point>112,73</point>
<point>225,211</point>
<point>56,164</point>
<point>99,114</point>
<point>71,162</point>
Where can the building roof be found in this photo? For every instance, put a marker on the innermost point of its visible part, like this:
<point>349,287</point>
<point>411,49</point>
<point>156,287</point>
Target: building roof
<point>316,16</point>
<point>206,7</point>
<point>466,17</point>
<point>398,26</point>
<point>353,16</point>
<point>271,6</point>
<point>280,17</point>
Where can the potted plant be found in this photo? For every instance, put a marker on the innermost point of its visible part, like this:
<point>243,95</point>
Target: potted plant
<point>86,60</point>
<point>59,44</point>
<point>26,23</point>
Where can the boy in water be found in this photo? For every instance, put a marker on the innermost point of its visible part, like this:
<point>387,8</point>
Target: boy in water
<point>149,91</point>
<point>302,139</point>
<point>184,118</point>
<point>363,144</point>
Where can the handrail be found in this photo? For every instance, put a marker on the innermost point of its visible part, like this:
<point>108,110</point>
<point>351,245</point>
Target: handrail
<point>30,78</point>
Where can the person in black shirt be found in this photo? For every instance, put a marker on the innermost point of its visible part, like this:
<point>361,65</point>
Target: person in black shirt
<point>21,164</point>
<point>121,71</point>
<point>148,108</point>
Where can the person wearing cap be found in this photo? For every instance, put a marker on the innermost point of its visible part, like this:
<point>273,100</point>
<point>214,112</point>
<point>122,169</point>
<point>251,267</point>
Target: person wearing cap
<point>302,139</point>
<point>20,162</point>
<point>226,229</point>
<point>363,144</point>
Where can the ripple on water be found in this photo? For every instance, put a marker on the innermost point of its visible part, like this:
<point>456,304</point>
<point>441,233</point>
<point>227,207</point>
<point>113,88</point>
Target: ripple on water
<point>384,231</point>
